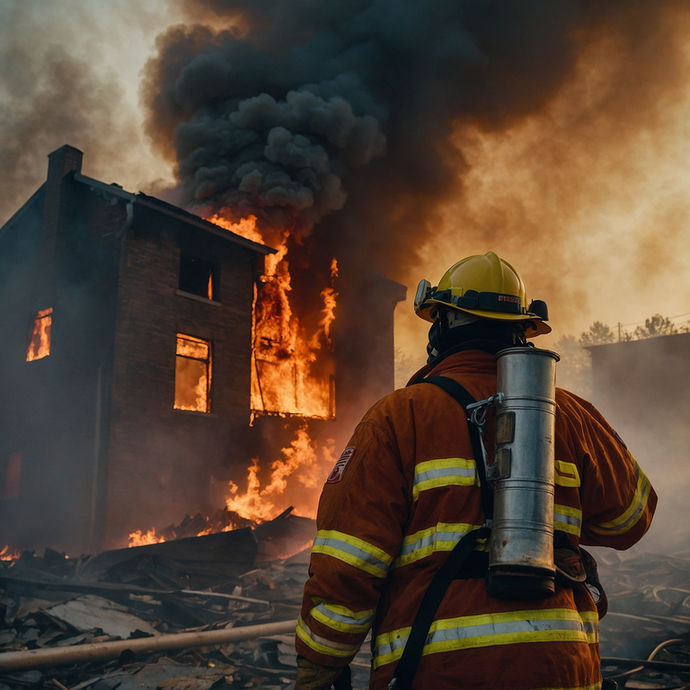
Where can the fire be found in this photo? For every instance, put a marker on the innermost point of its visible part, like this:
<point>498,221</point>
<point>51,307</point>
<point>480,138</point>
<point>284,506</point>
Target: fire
<point>140,538</point>
<point>299,462</point>
<point>291,369</point>
<point>39,347</point>
<point>9,554</point>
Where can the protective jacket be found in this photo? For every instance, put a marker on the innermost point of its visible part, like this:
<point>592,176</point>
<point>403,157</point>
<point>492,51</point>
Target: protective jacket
<point>404,493</point>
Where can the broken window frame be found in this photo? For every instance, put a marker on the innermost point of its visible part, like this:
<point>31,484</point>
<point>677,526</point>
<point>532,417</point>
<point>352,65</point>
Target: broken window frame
<point>208,361</point>
<point>198,284</point>
<point>43,325</point>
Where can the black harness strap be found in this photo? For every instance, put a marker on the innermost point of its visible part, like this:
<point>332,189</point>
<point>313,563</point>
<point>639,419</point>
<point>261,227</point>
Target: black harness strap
<point>407,666</point>
<point>460,394</point>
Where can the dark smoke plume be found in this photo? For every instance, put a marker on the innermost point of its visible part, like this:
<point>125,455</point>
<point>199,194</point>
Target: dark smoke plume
<point>285,110</point>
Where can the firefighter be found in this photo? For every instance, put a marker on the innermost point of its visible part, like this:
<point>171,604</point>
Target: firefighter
<point>406,490</point>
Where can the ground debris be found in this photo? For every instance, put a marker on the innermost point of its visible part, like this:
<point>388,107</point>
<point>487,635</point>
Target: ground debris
<point>648,619</point>
<point>200,583</point>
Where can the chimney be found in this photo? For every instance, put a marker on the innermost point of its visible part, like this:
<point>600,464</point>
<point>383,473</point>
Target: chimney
<point>61,162</point>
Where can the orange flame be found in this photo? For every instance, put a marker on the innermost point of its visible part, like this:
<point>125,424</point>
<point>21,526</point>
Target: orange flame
<point>289,377</point>
<point>140,538</point>
<point>9,554</point>
<point>39,347</point>
<point>300,461</point>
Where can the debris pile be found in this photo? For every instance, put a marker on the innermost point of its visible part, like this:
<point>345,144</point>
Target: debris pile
<point>648,619</point>
<point>198,586</point>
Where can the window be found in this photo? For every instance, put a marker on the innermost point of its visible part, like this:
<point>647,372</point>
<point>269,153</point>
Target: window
<point>12,476</point>
<point>193,374</point>
<point>199,277</point>
<point>39,347</point>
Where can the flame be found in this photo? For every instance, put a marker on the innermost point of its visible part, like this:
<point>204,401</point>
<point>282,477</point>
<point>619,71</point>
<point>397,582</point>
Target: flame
<point>289,377</point>
<point>140,538</point>
<point>299,461</point>
<point>209,289</point>
<point>39,347</point>
<point>193,374</point>
<point>9,554</point>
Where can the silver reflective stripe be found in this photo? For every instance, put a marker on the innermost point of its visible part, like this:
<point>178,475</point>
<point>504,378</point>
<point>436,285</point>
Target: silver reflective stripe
<point>488,629</point>
<point>432,540</point>
<point>568,520</point>
<point>328,612</point>
<point>345,548</point>
<point>468,472</point>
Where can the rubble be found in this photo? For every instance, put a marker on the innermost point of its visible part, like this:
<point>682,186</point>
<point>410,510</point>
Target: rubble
<point>210,585</point>
<point>215,584</point>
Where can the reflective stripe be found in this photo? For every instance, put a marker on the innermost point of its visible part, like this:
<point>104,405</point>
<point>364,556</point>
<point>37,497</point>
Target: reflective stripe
<point>322,644</point>
<point>567,519</point>
<point>634,512</point>
<point>352,550</point>
<point>445,472</point>
<point>566,474</point>
<point>342,618</point>
<point>591,686</point>
<point>442,537</point>
<point>468,632</point>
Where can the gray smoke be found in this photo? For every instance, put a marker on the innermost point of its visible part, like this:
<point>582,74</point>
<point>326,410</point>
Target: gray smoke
<point>294,111</point>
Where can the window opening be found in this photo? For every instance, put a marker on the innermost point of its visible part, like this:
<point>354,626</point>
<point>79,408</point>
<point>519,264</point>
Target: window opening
<point>39,346</point>
<point>199,277</point>
<point>12,476</point>
<point>193,374</point>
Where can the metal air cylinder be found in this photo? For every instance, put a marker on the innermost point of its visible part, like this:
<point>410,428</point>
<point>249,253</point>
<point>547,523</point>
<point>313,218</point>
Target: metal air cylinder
<point>521,564</point>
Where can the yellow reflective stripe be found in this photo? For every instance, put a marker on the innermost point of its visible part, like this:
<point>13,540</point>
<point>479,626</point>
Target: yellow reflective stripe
<point>513,627</point>
<point>591,686</point>
<point>444,472</point>
<point>634,511</point>
<point>354,551</point>
<point>441,537</point>
<point>566,474</point>
<point>323,645</point>
<point>342,618</point>
<point>567,519</point>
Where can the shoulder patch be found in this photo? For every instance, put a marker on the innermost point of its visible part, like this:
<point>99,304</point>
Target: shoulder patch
<point>337,472</point>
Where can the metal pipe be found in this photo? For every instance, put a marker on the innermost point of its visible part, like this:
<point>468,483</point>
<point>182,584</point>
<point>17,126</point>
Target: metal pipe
<point>84,653</point>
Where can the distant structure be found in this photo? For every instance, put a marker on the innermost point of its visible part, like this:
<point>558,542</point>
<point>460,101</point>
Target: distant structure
<point>125,362</point>
<point>643,389</point>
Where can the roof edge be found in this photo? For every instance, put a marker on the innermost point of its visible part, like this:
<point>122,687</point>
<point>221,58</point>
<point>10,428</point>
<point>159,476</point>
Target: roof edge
<point>175,212</point>
<point>22,209</point>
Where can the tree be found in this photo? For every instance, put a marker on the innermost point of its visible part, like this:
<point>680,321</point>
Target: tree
<point>654,326</point>
<point>574,371</point>
<point>598,334</point>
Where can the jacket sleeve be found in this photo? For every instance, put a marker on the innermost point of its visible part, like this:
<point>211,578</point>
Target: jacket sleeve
<point>618,500</point>
<point>360,522</point>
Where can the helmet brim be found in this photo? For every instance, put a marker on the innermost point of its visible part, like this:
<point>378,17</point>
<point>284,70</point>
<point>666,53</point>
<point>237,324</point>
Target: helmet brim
<point>541,327</point>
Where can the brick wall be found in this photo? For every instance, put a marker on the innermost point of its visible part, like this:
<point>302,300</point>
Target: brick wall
<point>162,462</point>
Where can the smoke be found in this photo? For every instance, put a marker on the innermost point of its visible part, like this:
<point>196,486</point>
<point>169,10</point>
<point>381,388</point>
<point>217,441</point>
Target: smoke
<point>368,124</point>
<point>62,82</point>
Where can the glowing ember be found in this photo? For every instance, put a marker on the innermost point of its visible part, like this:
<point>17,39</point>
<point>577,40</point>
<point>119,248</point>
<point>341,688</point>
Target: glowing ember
<point>299,462</point>
<point>209,289</point>
<point>289,377</point>
<point>39,347</point>
<point>193,374</point>
<point>9,554</point>
<point>140,538</point>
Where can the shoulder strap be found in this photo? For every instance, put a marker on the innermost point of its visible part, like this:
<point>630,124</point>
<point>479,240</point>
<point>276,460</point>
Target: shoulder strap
<point>460,394</point>
<point>407,666</point>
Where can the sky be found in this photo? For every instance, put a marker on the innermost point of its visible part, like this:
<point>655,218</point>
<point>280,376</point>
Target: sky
<point>589,203</point>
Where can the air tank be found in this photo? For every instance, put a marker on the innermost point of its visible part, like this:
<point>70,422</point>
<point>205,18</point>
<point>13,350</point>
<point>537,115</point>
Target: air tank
<point>521,562</point>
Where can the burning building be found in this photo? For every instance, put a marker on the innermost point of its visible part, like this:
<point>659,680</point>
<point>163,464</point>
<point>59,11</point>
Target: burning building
<point>135,355</point>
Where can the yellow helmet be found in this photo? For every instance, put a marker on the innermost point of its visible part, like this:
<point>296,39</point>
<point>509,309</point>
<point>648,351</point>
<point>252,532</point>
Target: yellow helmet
<point>485,286</point>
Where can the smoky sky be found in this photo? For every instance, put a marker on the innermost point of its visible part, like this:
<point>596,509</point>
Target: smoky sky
<point>309,110</point>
